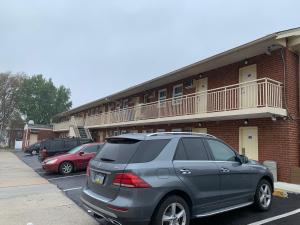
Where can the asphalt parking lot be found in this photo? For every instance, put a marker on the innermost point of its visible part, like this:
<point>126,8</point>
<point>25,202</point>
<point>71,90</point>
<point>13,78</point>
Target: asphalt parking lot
<point>284,211</point>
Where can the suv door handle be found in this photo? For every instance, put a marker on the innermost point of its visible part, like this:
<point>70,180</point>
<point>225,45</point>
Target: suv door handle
<point>224,170</point>
<point>185,171</point>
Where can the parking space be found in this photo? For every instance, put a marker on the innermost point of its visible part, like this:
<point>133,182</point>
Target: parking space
<point>284,211</point>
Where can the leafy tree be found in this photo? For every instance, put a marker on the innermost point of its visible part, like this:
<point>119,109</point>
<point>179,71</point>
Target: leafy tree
<point>9,87</point>
<point>39,100</point>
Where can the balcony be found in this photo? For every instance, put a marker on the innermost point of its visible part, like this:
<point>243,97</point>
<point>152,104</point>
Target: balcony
<point>62,126</point>
<point>254,99</point>
<point>65,126</point>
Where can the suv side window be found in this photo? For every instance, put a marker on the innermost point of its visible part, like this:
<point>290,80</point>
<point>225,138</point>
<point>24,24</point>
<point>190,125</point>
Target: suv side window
<point>191,149</point>
<point>149,150</point>
<point>180,152</point>
<point>220,151</point>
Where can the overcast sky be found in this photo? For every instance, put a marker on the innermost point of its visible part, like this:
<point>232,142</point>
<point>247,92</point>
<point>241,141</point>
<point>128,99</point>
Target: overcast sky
<point>98,47</point>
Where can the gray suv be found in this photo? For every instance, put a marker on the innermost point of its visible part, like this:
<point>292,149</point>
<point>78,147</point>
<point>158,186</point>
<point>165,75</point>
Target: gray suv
<point>169,178</point>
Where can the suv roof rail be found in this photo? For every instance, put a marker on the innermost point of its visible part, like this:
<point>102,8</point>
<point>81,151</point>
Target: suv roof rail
<point>181,133</point>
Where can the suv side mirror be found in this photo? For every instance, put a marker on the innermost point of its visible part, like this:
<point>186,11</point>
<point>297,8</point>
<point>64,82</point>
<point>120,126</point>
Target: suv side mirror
<point>81,153</point>
<point>244,159</point>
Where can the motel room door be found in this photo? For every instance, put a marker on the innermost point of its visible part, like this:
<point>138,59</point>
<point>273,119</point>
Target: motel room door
<point>248,90</point>
<point>249,142</point>
<point>201,97</point>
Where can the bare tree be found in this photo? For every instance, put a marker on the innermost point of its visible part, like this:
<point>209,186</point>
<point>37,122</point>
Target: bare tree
<point>9,86</point>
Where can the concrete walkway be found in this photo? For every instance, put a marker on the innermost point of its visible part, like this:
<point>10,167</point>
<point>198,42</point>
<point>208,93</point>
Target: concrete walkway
<point>26,198</point>
<point>292,188</point>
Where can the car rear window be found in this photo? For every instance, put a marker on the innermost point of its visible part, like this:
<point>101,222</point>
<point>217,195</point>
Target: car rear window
<point>118,150</point>
<point>149,150</point>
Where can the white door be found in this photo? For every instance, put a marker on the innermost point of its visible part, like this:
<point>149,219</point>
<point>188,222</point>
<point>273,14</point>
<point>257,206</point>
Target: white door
<point>248,90</point>
<point>201,97</point>
<point>249,142</point>
<point>200,130</point>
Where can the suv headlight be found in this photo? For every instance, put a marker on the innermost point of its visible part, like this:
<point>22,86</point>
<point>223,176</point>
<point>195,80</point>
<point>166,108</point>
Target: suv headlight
<point>52,161</point>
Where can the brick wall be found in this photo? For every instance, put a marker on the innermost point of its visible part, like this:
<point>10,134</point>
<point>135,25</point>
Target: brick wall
<point>277,140</point>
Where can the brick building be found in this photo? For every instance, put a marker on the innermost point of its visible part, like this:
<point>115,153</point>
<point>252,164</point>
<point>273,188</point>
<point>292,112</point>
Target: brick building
<point>248,96</point>
<point>36,132</point>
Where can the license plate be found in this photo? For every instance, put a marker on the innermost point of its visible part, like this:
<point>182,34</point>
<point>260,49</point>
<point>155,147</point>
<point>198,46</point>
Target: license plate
<point>98,178</point>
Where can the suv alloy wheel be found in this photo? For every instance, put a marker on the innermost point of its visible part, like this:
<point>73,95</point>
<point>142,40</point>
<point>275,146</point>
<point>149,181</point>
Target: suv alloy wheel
<point>263,196</point>
<point>172,211</point>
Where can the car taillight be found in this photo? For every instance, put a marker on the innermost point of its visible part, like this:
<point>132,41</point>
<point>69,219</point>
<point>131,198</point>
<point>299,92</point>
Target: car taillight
<point>88,170</point>
<point>130,180</point>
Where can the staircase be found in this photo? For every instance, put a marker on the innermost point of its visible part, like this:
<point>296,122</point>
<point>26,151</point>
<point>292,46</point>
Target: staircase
<point>80,131</point>
<point>84,133</point>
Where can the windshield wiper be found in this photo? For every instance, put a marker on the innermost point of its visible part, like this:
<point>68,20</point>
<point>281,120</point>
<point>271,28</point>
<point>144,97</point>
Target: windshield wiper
<point>107,160</point>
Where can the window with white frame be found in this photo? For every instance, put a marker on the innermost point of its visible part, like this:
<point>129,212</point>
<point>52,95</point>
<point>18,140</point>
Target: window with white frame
<point>177,94</point>
<point>125,103</point>
<point>162,96</point>
<point>146,98</point>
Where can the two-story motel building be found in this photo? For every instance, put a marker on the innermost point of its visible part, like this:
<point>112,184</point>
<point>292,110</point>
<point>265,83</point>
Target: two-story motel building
<point>247,96</point>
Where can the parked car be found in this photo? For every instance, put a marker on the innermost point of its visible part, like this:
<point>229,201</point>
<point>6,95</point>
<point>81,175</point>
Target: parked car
<point>33,149</point>
<point>74,160</point>
<point>55,146</point>
<point>168,178</point>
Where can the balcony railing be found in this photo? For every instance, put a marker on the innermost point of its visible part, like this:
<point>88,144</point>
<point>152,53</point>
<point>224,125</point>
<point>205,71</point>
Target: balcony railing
<point>259,93</point>
<point>61,126</point>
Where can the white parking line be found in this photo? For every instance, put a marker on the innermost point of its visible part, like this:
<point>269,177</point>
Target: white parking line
<point>72,189</point>
<point>276,217</point>
<point>57,178</point>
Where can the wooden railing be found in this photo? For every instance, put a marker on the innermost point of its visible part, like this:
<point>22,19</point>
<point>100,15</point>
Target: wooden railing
<point>259,93</point>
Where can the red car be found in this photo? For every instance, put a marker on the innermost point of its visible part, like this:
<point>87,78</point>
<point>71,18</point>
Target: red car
<point>74,160</point>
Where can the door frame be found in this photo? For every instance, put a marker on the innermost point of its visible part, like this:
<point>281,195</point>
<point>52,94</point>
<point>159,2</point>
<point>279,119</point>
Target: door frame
<point>241,138</point>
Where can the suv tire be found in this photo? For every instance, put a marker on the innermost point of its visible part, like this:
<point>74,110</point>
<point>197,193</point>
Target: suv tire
<point>66,168</point>
<point>263,196</point>
<point>173,209</point>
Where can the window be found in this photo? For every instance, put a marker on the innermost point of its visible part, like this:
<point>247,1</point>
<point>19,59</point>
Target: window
<point>176,130</point>
<point>57,145</point>
<point>161,130</point>
<point>220,151</point>
<point>194,149</point>
<point>118,150</point>
<point>162,96</point>
<point>149,150</point>
<point>188,129</point>
<point>90,149</point>
<point>177,94</point>
<point>146,99</point>
<point>125,103</point>
<point>70,143</point>
<point>180,152</point>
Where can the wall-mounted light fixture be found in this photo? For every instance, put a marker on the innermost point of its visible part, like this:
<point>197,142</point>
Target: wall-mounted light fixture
<point>246,62</point>
<point>199,124</point>
<point>273,118</point>
<point>246,121</point>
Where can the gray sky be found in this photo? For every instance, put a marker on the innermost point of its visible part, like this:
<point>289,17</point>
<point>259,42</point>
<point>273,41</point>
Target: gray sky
<point>99,47</point>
